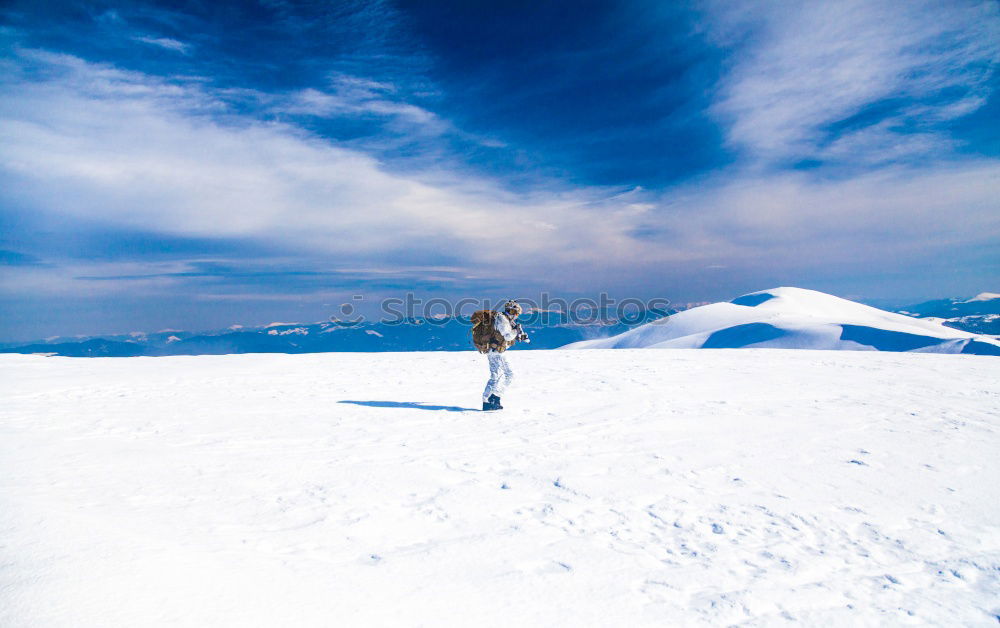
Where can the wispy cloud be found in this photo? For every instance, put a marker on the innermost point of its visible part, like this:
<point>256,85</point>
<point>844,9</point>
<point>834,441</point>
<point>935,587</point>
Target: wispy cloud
<point>152,154</point>
<point>165,42</point>
<point>878,70</point>
<point>351,102</point>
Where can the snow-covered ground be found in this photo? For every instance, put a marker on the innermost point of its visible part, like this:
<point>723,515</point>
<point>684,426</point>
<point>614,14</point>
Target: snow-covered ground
<point>626,488</point>
<point>796,318</point>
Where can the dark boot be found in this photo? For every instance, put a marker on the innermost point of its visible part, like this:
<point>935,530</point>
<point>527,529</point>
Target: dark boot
<point>495,401</point>
<point>487,405</point>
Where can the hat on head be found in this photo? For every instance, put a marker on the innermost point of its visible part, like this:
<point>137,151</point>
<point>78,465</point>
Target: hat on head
<point>512,307</point>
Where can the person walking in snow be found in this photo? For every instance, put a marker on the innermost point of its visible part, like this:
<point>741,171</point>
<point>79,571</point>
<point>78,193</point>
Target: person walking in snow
<point>492,334</point>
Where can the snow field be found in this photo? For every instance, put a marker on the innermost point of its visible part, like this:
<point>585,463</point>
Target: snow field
<point>619,487</point>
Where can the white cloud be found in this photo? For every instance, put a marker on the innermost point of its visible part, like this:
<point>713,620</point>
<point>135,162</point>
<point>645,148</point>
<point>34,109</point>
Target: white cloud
<point>98,143</point>
<point>352,102</point>
<point>93,142</point>
<point>165,42</point>
<point>798,67</point>
<point>885,217</point>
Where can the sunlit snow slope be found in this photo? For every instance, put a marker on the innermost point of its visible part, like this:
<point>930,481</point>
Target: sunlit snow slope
<point>618,488</point>
<point>795,318</point>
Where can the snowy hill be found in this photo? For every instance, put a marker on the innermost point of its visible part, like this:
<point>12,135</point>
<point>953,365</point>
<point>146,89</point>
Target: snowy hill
<point>624,488</point>
<point>984,296</point>
<point>794,318</point>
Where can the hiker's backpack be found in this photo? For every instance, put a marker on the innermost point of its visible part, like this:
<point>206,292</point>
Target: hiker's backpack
<point>484,334</point>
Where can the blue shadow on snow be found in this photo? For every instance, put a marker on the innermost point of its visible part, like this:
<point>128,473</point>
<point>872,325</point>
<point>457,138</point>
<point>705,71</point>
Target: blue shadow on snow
<point>751,300</point>
<point>885,340</point>
<point>742,335</point>
<point>976,347</point>
<point>415,405</point>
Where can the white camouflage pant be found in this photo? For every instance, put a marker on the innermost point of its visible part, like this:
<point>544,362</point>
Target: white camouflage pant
<point>501,375</point>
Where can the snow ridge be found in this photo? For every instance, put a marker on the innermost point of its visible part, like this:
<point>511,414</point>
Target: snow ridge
<point>796,318</point>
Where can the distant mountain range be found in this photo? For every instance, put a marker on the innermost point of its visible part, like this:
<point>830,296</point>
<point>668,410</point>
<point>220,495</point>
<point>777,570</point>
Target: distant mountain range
<point>980,314</point>
<point>785,317</point>
<point>450,334</point>
<point>794,318</point>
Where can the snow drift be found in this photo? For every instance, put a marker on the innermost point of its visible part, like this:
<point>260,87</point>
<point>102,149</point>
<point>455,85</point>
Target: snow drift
<point>795,318</point>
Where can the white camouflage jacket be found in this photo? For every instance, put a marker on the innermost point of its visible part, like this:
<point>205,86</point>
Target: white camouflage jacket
<point>503,326</point>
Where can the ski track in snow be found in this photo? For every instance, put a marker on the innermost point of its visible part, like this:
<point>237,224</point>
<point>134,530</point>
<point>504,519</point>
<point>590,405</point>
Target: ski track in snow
<point>619,487</point>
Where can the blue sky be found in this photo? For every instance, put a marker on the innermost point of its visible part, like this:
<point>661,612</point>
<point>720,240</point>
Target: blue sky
<point>193,165</point>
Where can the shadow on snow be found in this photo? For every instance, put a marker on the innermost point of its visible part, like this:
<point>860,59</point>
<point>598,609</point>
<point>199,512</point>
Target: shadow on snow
<point>416,405</point>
